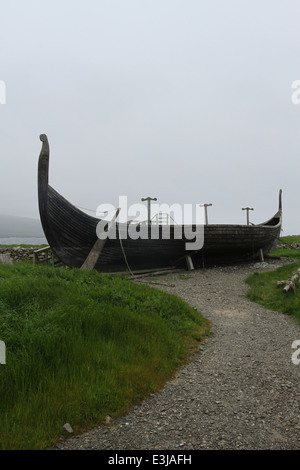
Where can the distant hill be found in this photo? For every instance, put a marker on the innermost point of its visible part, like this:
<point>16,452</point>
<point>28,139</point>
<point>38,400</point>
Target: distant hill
<point>14,226</point>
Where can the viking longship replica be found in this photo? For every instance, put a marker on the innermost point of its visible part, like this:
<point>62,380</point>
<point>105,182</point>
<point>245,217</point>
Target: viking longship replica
<point>74,238</point>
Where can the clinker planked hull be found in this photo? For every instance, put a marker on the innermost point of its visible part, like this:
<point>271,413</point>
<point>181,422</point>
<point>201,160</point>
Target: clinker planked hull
<point>71,234</point>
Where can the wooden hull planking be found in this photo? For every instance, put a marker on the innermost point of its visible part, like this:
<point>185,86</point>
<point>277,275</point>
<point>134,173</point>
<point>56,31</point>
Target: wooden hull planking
<point>71,234</point>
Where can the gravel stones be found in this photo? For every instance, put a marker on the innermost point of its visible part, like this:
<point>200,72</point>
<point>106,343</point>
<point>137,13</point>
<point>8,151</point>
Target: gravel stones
<point>240,391</point>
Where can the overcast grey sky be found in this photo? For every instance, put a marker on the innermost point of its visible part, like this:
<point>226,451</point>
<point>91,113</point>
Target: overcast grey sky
<point>188,101</point>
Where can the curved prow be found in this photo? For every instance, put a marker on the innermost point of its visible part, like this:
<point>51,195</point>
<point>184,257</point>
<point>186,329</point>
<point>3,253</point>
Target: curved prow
<point>280,201</point>
<point>279,212</point>
<point>43,176</point>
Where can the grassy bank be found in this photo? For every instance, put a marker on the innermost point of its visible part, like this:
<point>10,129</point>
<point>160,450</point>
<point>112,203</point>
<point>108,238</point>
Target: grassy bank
<point>286,251</point>
<point>81,346</point>
<point>264,290</point>
<point>290,239</point>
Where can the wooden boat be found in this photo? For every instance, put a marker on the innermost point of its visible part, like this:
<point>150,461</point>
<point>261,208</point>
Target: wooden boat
<point>72,236</point>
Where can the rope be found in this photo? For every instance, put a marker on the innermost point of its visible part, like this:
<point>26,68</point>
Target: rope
<point>125,257</point>
<point>131,273</point>
<point>92,210</point>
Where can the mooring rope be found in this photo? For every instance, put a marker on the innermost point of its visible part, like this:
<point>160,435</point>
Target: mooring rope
<point>132,274</point>
<point>125,257</point>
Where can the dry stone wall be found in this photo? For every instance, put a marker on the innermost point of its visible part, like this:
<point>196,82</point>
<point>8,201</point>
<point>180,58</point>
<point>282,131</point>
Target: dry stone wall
<point>18,253</point>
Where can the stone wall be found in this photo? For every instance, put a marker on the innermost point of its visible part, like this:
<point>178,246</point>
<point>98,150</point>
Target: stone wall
<point>17,253</point>
<point>289,246</point>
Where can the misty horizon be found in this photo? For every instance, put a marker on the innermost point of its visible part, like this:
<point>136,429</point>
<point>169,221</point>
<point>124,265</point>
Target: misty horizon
<point>191,103</point>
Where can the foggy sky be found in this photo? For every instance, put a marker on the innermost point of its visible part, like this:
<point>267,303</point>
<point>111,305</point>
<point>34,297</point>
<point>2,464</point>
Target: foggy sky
<point>188,101</point>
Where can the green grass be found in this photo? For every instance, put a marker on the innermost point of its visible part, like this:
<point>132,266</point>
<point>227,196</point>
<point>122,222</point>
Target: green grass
<point>264,291</point>
<point>81,346</point>
<point>290,239</point>
<point>287,252</point>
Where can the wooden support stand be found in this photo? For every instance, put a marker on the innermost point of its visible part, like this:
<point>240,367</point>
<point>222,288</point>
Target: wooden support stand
<point>95,252</point>
<point>189,262</point>
<point>261,255</point>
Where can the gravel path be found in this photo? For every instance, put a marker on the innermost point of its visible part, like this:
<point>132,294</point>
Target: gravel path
<point>241,391</point>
